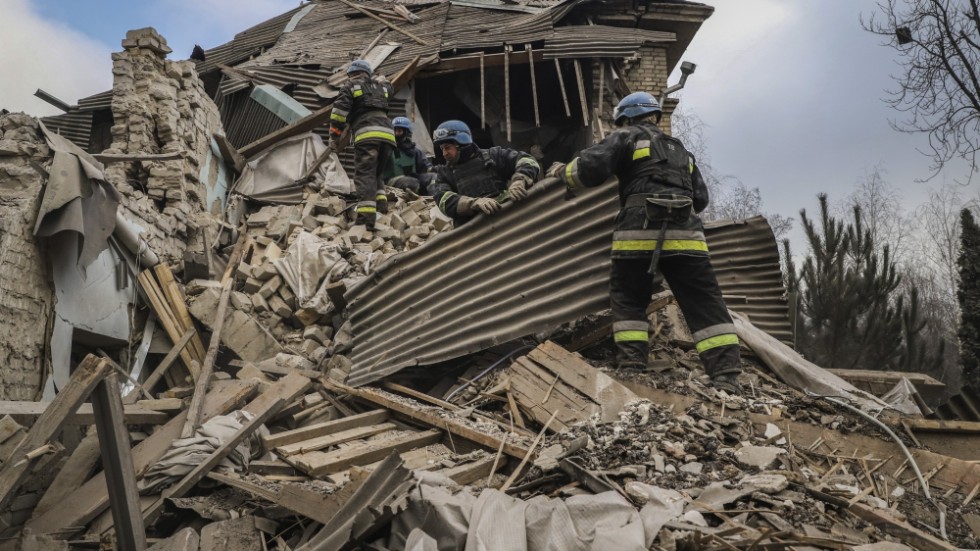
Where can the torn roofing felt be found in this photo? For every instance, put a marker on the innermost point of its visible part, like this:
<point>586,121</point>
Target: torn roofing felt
<point>530,268</point>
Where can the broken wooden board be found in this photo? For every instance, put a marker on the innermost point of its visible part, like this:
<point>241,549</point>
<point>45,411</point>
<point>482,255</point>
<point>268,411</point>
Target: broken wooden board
<point>77,509</point>
<point>329,440</point>
<point>134,414</point>
<point>429,416</point>
<point>15,469</point>
<point>551,380</point>
<point>322,463</point>
<point>326,428</point>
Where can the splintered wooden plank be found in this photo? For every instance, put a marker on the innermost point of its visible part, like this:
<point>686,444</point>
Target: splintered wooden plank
<point>431,418</point>
<point>323,442</point>
<point>575,371</point>
<point>295,497</point>
<point>75,510</point>
<point>328,427</point>
<point>88,374</point>
<point>178,305</point>
<point>474,470</point>
<point>320,463</point>
<point>133,414</point>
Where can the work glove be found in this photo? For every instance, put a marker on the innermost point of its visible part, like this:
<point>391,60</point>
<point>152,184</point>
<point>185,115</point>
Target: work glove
<point>555,170</point>
<point>518,186</point>
<point>486,205</point>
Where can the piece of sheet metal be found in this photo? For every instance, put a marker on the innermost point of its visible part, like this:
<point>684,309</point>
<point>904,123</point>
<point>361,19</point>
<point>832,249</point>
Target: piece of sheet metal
<point>532,267</point>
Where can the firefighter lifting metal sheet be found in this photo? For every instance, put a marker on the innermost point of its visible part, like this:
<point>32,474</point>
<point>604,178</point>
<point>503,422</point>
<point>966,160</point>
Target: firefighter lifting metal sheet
<point>660,193</point>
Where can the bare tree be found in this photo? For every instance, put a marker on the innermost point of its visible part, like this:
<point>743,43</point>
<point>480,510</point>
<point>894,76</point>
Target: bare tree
<point>938,43</point>
<point>882,213</point>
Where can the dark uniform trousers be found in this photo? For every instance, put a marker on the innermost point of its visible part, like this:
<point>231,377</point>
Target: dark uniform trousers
<point>370,161</point>
<point>692,280</point>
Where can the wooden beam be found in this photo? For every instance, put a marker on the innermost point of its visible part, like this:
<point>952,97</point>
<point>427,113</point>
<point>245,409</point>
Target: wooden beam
<point>471,472</point>
<point>320,463</point>
<point>429,418</point>
<point>178,305</point>
<point>201,388</point>
<point>294,497</point>
<point>330,440</point>
<point>390,25</point>
<point>229,152</point>
<point>445,66</point>
<point>534,85</point>
<point>507,89</point>
<point>564,93</point>
<point>217,456</point>
<point>118,464</point>
<point>328,427</point>
<point>88,374</point>
<point>168,360</point>
<point>581,91</point>
<point>129,157</point>
<point>483,92</point>
<point>84,415</point>
<point>935,425</point>
<point>166,316</point>
<point>75,510</point>
<point>421,396</point>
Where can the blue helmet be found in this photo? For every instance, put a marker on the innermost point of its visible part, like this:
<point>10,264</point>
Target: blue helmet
<point>635,105</point>
<point>359,66</point>
<point>402,122</point>
<point>452,131</point>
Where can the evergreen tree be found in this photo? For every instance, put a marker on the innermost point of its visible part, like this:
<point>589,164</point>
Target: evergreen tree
<point>850,314</point>
<point>969,298</point>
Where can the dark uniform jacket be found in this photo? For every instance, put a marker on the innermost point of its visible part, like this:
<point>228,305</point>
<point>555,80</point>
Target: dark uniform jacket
<point>479,173</point>
<point>646,162</point>
<point>363,104</point>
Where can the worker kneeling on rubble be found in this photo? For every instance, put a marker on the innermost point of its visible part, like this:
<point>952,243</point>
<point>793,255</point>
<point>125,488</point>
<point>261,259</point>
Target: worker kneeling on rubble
<point>409,168</point>
<point>660,190</point>
<point>363,104</point>
<point>475,180</point>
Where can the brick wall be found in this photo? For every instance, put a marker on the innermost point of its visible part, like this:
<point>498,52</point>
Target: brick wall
<point>160,106</point>
<point>26,289</point>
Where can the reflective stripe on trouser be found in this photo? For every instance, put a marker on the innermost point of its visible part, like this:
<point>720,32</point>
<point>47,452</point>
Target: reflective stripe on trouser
<point>370,160</point>
<point>675,241</point>
<point>695,287</point>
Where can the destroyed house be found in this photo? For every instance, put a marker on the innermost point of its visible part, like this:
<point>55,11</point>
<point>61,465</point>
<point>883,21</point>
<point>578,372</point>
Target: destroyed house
<point>292,381</point>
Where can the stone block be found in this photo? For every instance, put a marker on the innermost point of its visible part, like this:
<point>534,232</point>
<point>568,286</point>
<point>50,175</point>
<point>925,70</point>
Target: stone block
<point>259,304</point>
<point>270,287</point>
<point>280,307</point>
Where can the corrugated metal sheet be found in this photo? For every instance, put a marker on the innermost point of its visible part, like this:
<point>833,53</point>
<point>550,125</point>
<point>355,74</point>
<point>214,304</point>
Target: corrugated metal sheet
<point>102,100</point>
<point>74,125</point>
<point>246,43</point>
<point>600,41</point>
<point>965,406</point>
<point>532,267</point>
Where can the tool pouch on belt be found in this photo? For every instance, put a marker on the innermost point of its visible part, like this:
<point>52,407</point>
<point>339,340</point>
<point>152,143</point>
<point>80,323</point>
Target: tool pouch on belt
<point>663,209</point>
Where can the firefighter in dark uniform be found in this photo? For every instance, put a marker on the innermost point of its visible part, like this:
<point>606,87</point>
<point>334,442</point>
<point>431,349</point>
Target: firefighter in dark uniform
<point>475,180</point>
<point>409,167</point>
<point>363,104</point>
<point>660,190</point>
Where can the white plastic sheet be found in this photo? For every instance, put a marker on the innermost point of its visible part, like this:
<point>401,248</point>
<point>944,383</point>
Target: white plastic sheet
<point>305,267</point>
<point>272,175</point>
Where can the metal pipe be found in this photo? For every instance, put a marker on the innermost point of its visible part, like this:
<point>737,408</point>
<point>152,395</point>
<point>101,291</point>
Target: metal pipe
<point>905,450</point>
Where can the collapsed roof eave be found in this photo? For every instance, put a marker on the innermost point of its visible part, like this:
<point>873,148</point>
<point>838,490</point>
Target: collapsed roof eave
<point>684,19</point>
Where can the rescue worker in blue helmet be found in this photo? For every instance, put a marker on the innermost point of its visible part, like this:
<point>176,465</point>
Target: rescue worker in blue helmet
<point>362,104</point>
<point>409,167</point>
<point>475,180</point>
<point>660,193</point>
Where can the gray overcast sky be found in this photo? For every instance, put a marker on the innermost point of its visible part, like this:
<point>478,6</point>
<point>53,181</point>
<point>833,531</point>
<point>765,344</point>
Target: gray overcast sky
<point>791,93</point>
<point>790,90</point>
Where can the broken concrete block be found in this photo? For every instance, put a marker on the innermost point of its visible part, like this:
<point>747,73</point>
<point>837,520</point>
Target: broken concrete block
<point>306,316</point>
<point>259,305</point>
<point>265,272</point>
<point>252,285</point>
<point>240,301</point>
<point>242,333</point>
<point>339,363</point>
<point>758,456</point>
<point>280,307</point>
<point>288,296</point>
<point>184,540</point>
<point>316,333</point>
<point>770,483</point>
<point>198,286</point>
<point>270,287</point>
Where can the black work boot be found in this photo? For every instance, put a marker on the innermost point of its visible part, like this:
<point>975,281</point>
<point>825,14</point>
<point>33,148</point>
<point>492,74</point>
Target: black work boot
<point>382,201</point>
<point>727,382</point>
<point>365,219</point>
<point>631,355</point>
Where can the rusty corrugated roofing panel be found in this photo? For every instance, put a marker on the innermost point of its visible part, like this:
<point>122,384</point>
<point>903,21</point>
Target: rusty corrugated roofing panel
<point>76,126</point>
<point>600,41</point>
<point>246,43</point>
<point>532,267</point>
